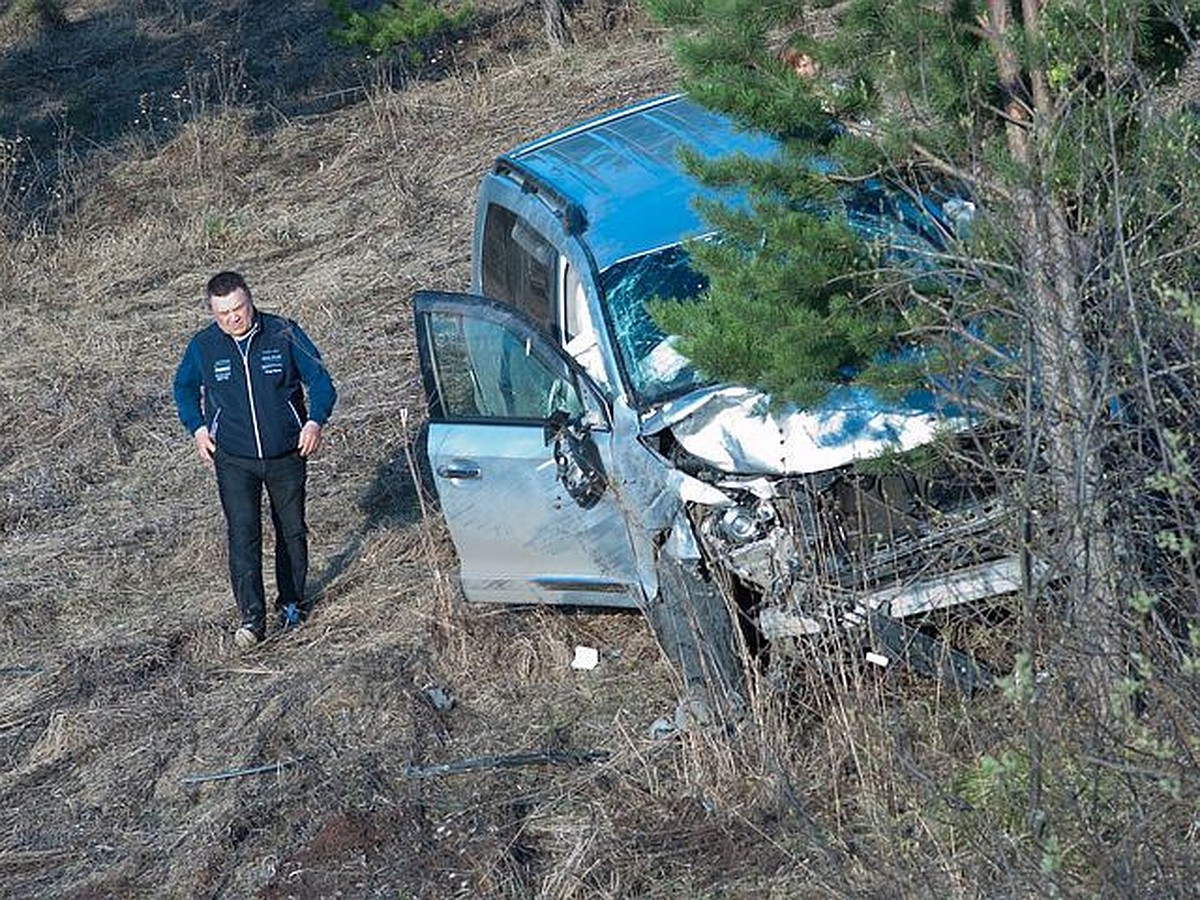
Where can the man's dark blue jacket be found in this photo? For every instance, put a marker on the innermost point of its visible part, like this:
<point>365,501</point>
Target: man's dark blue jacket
<point>253,401</point>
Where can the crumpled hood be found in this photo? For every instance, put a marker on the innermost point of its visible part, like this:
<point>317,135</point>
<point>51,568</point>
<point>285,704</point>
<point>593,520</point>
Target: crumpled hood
<point>735,429</point>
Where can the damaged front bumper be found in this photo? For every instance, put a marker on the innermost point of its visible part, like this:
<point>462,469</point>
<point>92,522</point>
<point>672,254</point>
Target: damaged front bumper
<point>806,553</point>
<point>978,582</point>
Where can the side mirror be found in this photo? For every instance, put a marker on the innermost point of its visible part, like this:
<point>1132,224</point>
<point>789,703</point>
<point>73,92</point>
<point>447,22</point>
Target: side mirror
<point>576,457</point>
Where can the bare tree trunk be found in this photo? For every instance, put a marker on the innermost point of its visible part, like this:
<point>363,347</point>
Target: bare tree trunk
<point>557,33</point>
<point>1052,279</point>
<point>1069,406</point>
<point>1064,398</point>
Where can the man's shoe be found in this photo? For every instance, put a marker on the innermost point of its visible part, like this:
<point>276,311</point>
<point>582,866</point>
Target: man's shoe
<point>245,637</point>
<point>290,616</point>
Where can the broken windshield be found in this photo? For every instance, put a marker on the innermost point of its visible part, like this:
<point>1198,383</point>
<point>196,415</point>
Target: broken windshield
<point>655,369</point>
<point>914,229</point>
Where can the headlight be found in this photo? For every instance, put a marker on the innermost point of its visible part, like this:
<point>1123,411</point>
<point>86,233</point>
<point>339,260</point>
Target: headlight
<point>738,525</point>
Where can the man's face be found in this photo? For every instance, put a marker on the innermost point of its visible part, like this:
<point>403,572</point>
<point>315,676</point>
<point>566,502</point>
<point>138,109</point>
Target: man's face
<point>233,312</point>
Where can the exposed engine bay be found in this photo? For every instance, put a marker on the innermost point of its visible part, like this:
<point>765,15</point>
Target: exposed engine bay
<point>898,535</point>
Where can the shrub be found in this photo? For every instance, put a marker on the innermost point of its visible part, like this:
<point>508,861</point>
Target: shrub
<point>401,26</point>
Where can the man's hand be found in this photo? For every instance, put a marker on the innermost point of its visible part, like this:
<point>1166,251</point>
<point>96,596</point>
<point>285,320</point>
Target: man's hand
<point>310,438</point>
<point>205,444</point>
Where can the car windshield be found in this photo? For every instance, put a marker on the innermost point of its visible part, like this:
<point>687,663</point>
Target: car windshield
<point>913,228</point>
<point>656,371</point>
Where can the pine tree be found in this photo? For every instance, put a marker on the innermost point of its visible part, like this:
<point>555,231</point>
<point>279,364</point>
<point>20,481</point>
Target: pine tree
<point>1071,126</point>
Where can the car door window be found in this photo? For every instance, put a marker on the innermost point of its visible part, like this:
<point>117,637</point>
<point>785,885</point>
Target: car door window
<point>522,268</point>
<point>486,371</point>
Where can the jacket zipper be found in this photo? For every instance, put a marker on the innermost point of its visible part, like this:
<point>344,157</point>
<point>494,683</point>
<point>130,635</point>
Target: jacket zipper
<point>245,354</point>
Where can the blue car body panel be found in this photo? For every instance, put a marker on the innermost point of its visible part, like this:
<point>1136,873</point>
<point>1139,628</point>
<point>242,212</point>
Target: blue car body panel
<point>623,170</point>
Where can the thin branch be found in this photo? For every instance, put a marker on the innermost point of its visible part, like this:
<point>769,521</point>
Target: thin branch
<point>946,168</point>
<point>241,773</point>
<point>508,761</point>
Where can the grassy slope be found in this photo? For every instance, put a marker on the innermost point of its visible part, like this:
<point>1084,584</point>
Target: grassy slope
<point>166,140</point>
<point>118,676</point>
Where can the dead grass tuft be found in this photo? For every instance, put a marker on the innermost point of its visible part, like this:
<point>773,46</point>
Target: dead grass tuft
<point>24,20</point>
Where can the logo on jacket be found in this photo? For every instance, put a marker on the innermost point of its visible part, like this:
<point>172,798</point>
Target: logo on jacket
<point>221,369</point>
<point>272,361</point>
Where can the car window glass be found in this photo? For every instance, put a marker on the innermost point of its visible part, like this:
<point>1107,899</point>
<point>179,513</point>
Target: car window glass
<point>485,371</point>
<point>518,266</point>
<point>654,368</point>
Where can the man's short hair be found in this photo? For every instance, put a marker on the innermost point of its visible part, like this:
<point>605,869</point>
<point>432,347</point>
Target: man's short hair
<point>225,283</point>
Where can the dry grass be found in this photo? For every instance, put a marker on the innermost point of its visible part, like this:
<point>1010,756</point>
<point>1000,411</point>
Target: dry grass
<point>126,718</point>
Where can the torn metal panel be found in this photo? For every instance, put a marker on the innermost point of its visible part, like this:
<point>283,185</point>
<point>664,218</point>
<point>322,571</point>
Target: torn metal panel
<point>653,493</point>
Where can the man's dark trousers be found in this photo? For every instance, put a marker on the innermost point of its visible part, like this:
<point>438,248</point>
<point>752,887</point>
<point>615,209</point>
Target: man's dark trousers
<point>240,483</point>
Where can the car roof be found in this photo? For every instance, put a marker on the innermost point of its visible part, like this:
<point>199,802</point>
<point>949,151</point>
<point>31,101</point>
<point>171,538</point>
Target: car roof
<point>622,172</point>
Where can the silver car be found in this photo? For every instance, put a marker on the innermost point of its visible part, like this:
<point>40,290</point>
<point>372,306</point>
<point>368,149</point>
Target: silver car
<point>580,459</point>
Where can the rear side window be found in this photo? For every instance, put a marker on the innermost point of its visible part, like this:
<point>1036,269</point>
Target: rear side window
<point>518,265</point>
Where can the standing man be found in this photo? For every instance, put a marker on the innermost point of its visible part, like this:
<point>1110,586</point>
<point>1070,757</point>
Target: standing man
<point>240,391</point>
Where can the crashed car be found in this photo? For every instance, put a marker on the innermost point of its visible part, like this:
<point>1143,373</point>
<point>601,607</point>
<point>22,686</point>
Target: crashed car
<point>580,459</point>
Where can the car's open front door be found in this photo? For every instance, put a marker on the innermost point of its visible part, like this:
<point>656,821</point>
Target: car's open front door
<point>519,446</point>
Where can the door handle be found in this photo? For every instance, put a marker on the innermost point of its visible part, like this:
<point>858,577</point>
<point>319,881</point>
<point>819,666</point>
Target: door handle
<point>459,469</point>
